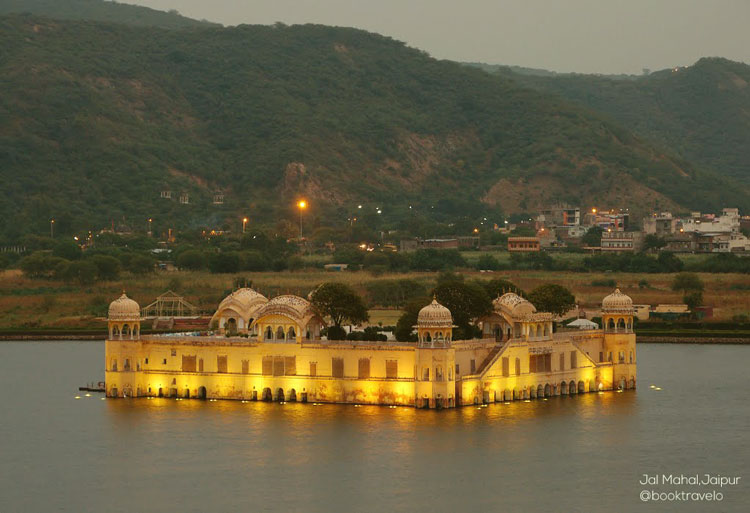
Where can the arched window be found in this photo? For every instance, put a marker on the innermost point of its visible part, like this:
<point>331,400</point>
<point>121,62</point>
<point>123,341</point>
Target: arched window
<point>428,338</point>
<point>280,333</point>
<point>269,333</point>
<point>290,335</point>
<point>518,366</point>
<point>611,324</point>
<point>114,364</point>
<point>621,324</point>
<point>631,356</point>
<point>125,331</point>
<point>439,373</point>
<point>439,335</point>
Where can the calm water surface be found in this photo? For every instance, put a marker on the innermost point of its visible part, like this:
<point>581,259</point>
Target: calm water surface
<point>580,453</point>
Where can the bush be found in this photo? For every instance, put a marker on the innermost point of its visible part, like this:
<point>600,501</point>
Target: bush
<point>487,263</point>
<point>108,267</point>
<point>193,260</point>
<point>224,262</point>
<point>141,264</point>
<point>83,272</point>
<point>40,264</point>
<point>336,333</point>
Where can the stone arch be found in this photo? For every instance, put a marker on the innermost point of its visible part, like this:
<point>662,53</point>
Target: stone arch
<point>581,387</point>
<point>547,390</point>
<point>280,335</point>
<point>572,387</point>
<point>532,392</point>
<point>201,392</point>
<point>540,391</point>
<point>291,335</point>
<point>268,333</point>
<point>125,331</point>
<point>293,395</point>
<point>280,395</point>
<point>632,382</point>
<point>266,395</point>
<point>563,388</point>
<point>230,326</point>
<point>546,330</point>
<point>611,324</point>
<point>621,324</point>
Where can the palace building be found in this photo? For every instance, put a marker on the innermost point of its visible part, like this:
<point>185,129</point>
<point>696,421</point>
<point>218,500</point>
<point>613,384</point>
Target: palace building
<point>272,350</point>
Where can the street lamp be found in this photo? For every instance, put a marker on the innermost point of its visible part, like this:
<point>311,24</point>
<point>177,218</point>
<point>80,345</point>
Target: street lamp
<point>302,205</point>
<point>244,223</point>
<point>150,231</point>
<point>52,228</point>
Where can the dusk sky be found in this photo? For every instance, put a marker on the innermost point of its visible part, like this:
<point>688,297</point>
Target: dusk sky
<point>588,36</point>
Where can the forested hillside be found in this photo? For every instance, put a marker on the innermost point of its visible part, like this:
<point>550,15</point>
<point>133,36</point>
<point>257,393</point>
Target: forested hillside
<point>100,10</point>
<point>701,112</point>
<point>96,119</point>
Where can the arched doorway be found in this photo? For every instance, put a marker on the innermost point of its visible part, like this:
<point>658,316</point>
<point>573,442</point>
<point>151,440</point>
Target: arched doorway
<point>280,334</point>
<point>292,395</point>
<point>540,391</point>
<point>581,387</point>
<point>280,395</point>
<point>632,382</point>
<point>187,393</point>
<point>231,326</point>
<point>572,387</point>
<point>563,388</point>
<point>547,390</point>
<point>201,392</point>
<point>267,395</point>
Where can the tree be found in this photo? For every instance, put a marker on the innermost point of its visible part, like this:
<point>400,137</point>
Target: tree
<point>108,267</point>
<point>687,282</point>
<point>593,237</point>
<point>68,250</point>
<point>669,262</point>
<point>404,331</point>
<point>192,259</point>
<point>487,262</point>
<point>498,287</point>
<point>339,302</point>
<point>693,299</point>
<point>552,298</point>
<point>228,262</point>
<point>83,272</point>
<point>141,264</point>
<point>653,241</point>
<point>40,264</point>
<point>466,301</point>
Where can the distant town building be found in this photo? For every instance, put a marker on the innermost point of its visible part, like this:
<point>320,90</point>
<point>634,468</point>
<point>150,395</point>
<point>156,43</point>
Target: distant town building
<point>524,244</point>
<point>184,198</point>
<point>218,197</point>
<point>727,222</point>
<point>408,245</point>
<point>166,194</point>
<point>619,241</point>
<point>660,224</point>
<point>614,220</point>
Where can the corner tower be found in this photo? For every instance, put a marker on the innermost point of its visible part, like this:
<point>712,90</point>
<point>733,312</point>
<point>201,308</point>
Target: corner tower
<point>435,358</point>
<point>619,338</point>
<point>122,348</point>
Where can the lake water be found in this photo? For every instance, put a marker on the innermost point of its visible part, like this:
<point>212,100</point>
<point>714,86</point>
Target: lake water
<point>579,453</point>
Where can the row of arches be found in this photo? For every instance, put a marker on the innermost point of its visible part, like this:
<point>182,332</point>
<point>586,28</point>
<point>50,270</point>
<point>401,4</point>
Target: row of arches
<point>540,391</point>
<point>124,331</point>
<point>279,335</point>
<point>618,324</point>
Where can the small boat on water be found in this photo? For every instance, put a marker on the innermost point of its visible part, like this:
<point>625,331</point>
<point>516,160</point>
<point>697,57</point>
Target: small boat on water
<point>90,387</point>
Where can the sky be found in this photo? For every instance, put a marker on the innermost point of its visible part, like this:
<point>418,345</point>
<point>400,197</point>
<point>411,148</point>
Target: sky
<point>585,36</point>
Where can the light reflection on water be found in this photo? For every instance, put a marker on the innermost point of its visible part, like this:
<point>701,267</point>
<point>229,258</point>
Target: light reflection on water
<point>563,454</point>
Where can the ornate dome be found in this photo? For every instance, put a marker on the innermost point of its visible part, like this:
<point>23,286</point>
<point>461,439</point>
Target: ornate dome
<point>292,306</point>
<point>434,315</point>
<point>124,309</point>
<point>617,302</point>
<point>514,304</point>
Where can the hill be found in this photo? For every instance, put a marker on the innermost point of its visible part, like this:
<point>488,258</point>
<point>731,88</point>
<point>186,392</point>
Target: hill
<point>96,119</point>
<point>699,112</point>
<point>100,10</point>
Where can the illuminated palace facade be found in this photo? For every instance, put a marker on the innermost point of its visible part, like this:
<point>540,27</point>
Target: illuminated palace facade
<point>272,350</point>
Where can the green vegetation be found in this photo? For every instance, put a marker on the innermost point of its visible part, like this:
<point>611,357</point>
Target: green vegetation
<point>552,298</point>
<point>96,119</point>
<point>698,112</point>
<point>101,10</point>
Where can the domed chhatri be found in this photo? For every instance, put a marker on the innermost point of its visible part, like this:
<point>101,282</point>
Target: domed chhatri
<point>124,309</point>
<point>434,315</point>
<point>617,302</point>
<point>124,319</point>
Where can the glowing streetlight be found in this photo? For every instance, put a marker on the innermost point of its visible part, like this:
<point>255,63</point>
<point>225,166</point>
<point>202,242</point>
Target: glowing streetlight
<point>302,205</point>
<point>52,228</point>
<point>476,230</point>
<point>150,222</point>
<point>244,223</point>
<point>593,211</point>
